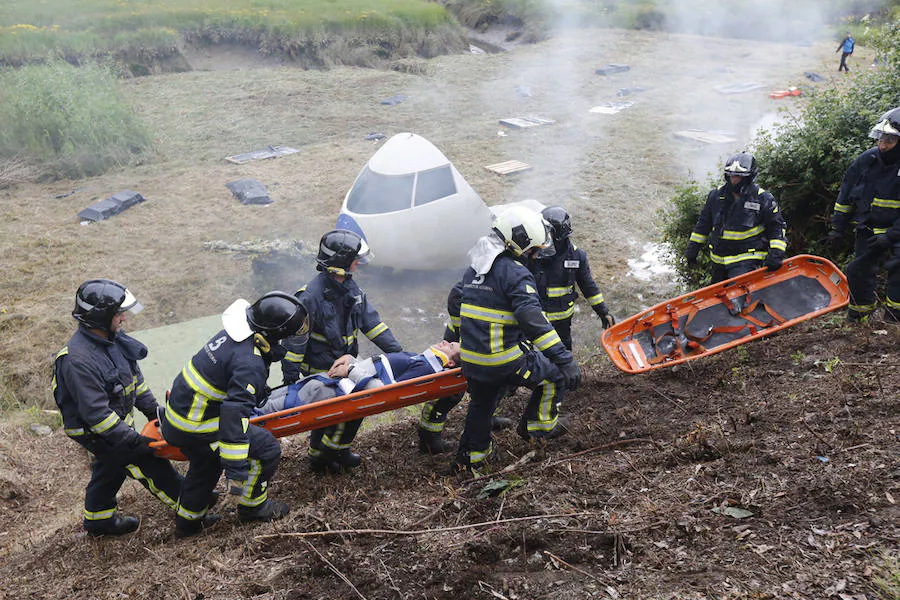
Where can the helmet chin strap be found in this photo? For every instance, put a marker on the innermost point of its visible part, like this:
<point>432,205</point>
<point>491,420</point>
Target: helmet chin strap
<point>338,271</point>
<point>262,343</point>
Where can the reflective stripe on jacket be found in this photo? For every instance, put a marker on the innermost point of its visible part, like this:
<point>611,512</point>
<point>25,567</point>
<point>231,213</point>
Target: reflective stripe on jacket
<point>869,196</point>
<point>557,276</point>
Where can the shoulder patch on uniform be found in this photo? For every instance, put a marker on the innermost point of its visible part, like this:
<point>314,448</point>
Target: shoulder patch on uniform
<point>530,289</point>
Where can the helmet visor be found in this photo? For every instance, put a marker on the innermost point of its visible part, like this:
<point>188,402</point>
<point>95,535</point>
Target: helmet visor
<point>130,304</point>
<point>364,256</point>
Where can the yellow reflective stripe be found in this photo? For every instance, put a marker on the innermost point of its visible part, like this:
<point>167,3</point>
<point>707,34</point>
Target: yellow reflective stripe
<point>130,387</point>
<point>455,321</point>
<point>733,234</point>
<point>480,313</point>
<point>879,230</point>
<point>548,395</point>
<point>491,360</point>
<point>595,299</point>
<point>496,337</point>
<point>253,477</point>
<point>293,357</point>
<point>142,388</point>
<point>106,424</point>
<point>700,239</point>
<point>318,337</point>
<point>229,451</point>
<point>189,514</point>
<point>129,419</point>
<point>862,308</point>
<point>891,303</point>
<point>376,331</point>
<point>730,260</point>
<point>559,316</point>
<point>332,441</point>
<point>74,431</point>
<point>138,474</point>
<point>251,389</point>
<point>199,384</point>
<point>841,208</point>
<point>886,203</point>
<point>557,292</point>
<point>778,244</point>
<point>245,424</point>
<point>191,425</point>
<point>547,340</point>
<point>476,456</point>
<point>99,515</point>
<point>63,352</point>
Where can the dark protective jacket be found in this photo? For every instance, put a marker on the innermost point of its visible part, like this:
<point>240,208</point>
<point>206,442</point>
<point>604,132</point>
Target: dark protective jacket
<point>870,196</point>
<point>500,317</point>
<point>338,311</point>
<point>97,384</point>
<point>214,397</point>
<point>557,276</point>
<point>748,227</point>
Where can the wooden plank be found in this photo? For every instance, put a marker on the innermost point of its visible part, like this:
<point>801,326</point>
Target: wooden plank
<point>508,167</point>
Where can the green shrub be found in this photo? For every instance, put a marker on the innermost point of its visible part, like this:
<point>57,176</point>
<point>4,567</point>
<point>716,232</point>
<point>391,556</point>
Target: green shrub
<point>678,218</point>
<point>70,119</point>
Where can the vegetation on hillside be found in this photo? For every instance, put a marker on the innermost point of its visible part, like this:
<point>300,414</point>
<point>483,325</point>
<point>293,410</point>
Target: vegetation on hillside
<point>802,160</point>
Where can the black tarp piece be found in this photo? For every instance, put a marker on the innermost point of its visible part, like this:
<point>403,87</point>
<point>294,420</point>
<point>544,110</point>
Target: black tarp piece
<point>249,191</point>
<point>628,91</point>
<point>111,206</point>
<point>374,137</point>
<point>270,152</point>
<point>612,68</point>
<point>815,77</point>
<point>394,100</point>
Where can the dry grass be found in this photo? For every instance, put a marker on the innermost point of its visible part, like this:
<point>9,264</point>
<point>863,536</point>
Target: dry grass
<point>15,170</point>
<point>611,172</point>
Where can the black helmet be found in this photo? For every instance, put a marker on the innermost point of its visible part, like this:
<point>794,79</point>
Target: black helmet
<point>742,164</point>
<point>97,301</point>
<point>278,315</point>
<point>338,249</point>
<point>888,124</point>
<point>559,221</point>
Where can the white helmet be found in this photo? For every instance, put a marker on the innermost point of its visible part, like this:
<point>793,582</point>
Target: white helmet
<point>888,125</point>
<point>522,229</point>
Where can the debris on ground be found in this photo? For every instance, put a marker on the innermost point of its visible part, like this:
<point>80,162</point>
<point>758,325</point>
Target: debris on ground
<point>526,122</point>
<point>111,206</point>
<point>612,68</point>
<point>738,88</point>
<point>707,136</point>
<point>270,152</point>
<point>249,191</point>
<point>374,137</point>
<point>814,77</point>
<point>611,108</point>
<point>508,167</point>
<point>627,91</point>
<point>791,91</point>
<point>394,100</point>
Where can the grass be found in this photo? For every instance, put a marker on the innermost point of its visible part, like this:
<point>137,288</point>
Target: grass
<point>141,29</point>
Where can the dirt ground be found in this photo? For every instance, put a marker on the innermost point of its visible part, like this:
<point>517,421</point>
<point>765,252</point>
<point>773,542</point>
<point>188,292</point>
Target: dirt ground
<point>636,501</point>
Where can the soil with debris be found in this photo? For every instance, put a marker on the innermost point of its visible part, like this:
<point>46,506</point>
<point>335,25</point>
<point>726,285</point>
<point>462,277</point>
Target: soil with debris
<point>766,471</point>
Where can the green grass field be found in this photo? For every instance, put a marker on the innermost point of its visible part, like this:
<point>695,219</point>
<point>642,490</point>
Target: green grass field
<point>79,29</point>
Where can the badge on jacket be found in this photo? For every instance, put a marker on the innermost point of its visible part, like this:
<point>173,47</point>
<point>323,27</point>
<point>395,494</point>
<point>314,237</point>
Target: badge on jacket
<point>751,205</point>
<point>571,264</point>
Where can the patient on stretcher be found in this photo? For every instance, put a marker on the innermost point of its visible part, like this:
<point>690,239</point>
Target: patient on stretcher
<point>349,374</point>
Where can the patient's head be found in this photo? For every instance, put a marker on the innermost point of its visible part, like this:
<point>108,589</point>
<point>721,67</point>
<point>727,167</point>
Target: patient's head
<point>448,352</point>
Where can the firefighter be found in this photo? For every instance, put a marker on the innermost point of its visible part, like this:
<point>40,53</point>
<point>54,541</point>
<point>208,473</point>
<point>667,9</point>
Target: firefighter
<point>207,413</point>
<point>97,384</point>
<point>558,269</point>
<point>506,341</point>
<point>869,200</point>
<point>338,311</point>
<point>740,224</point>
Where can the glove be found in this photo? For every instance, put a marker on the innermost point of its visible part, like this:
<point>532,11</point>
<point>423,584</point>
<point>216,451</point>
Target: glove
<point>140,445</point>
<point>605,318</point>
<point>234,491</point>
<point>879,242</point>
<point>571,375</point>
<point>690,255</point>
<point>773,263</point>
<point>834,238</point>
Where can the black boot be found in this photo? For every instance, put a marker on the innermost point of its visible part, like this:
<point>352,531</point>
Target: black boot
<point>270,510</point>
<point>115,526</point>
<point>430,442</point>
<point>562,426</point>
<point>347,459</point>
<point>186,527</point>
<point>322,462</point>
<point>498,423</point>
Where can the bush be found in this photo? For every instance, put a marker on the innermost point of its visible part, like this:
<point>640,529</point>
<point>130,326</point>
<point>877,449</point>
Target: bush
<point>70,119</point>
<point>804,159</point>
<point>678,219</point>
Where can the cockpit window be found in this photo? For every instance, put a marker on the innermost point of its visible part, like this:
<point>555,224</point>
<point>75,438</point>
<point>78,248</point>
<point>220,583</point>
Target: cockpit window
<point>374,193</point>
<point>434,184</point>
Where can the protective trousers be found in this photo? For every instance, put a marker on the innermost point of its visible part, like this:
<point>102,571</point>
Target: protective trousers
<point>564,329</point>
<point>205,468</point>
<point>434,413</point>
<point>862,278</point>
<point>109,468</point>
<point>723,272</point>
<point>336,437</point>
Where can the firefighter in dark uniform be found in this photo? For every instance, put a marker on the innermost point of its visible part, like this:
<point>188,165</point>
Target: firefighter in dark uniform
<point>97,384</point>
<point>208,411</point>
<point>740,224</point>
<point>869,200</point>
<point>506,340</point>
<point>338,312</point>
<point>558,274</point>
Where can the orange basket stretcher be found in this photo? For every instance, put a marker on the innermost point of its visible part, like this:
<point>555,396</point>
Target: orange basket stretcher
<point>726,314</point>
<point>339,409</point>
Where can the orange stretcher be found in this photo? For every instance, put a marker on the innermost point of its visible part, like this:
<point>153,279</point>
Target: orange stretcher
<point>339,409</point>
<point>726,314</point>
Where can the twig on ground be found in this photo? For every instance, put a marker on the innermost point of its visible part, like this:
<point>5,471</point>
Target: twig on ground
<point>672,401</point>
<point>557,559</point>
<point>636,470</point>
<point>818,437</point>
<point>602,447</point>
<point>304,534</point>
<point>335,569</point>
